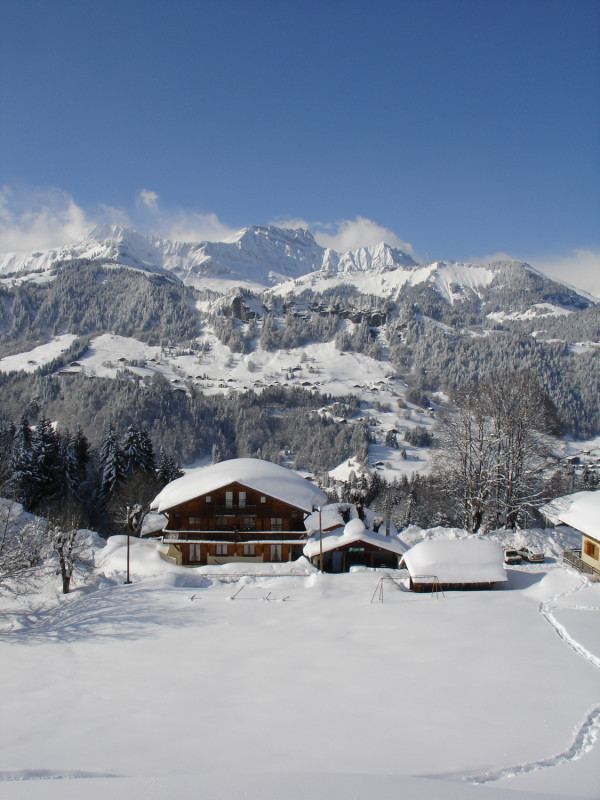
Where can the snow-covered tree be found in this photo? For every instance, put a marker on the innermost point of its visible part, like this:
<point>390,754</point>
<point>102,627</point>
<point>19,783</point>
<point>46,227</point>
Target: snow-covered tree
<point>168,470</point>
<point>23,545</point>
<point>391,438</point>
<point>69,544</point>
<point>495,448</point>
<point>20,467</point>
<point>112,463</point>
<point>137,451</point>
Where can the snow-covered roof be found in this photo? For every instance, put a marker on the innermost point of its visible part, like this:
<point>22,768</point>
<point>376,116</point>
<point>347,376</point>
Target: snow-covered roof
<point>580,511</point>
<point>457,561</point>
<point>354,531</point>
<point>332,517</point>
<point>261,476</point>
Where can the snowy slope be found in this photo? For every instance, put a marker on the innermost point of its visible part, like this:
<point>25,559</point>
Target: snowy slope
<point>379,277</point>
<point>296,685</point>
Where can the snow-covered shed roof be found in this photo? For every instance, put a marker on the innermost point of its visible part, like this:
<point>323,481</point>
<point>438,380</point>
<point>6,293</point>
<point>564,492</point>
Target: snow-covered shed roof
<point>332,518</point>
<point>261,476</point>
<point>457,561</point>
<point>354,531</point>
<point>580,510</point>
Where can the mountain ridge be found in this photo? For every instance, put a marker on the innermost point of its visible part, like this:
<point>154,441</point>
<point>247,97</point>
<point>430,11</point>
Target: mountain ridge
<point>276,260</point>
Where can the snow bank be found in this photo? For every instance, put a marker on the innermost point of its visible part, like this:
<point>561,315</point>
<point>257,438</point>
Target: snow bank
<point>261,476</point>
<point>551,541</point>
<point>459,561</point>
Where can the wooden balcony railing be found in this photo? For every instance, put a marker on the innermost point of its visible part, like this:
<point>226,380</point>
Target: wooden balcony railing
<point>235,511</point>
<point>573,558</point>
<point>231,536</point>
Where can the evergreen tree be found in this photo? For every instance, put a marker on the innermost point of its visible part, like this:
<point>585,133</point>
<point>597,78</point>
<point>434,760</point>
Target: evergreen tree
<point>72,469</point>
<point>46,463</point>
<point>168,470</point>
<point>21,477</point>
<point>112,463</point>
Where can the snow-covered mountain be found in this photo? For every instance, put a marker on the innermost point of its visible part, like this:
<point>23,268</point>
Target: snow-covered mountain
<point>288,262</point>
<point>256,257</point>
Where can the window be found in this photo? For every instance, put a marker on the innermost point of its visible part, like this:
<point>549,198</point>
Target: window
<point>263,499</point>
<point>276,552</point>
<point>242,499</point>
<point>590,549</point>
<point>229,499</point>
<point>194,521</point>
<point>221,549</point>
<point>208,498</point>
<point>249,549</point>
<point>195,553</point>
<point>276,524</point>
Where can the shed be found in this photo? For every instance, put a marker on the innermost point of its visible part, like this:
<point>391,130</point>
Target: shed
<point>454,564</point>
<point>353,545</point>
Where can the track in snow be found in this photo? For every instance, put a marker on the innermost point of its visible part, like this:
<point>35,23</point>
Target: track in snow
<point>587,733</point>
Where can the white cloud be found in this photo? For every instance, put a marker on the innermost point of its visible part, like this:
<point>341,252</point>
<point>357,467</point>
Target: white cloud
<point>293,223</point>
<point>191,226</point>
<point>350,234</point>
<point>179,224</point>
<point>489,259</point>
<point>39,219</point>
<point>579,268</point>
<point>148,199</point>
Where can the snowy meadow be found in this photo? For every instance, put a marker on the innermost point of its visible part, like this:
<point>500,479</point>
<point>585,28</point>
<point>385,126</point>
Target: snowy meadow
<point>290,683</point>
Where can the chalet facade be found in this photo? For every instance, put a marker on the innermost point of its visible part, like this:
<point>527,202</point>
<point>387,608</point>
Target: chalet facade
<point>580,511</point>
<point>244,509</point>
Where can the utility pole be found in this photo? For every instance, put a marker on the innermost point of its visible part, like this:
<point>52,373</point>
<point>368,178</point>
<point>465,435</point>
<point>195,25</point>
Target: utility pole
<point>387,511</point>
<point>320,541</point>
<point>128,538</point>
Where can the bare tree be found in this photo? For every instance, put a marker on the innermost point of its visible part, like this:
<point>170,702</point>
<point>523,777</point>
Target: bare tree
<point>69,543</point>
<point>495,448</point>
<point>131,502</point>
<point>23,547</point>
<point>468,453</point>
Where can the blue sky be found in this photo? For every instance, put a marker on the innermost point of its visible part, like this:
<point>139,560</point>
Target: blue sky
<point>459,128</point>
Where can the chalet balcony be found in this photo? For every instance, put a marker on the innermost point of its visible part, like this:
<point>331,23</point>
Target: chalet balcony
<point>231,536</point>
<point>573,559</point>
<point>235,511</point>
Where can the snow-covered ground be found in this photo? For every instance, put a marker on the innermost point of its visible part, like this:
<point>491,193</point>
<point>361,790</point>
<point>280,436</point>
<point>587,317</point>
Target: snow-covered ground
<point>206,683</point>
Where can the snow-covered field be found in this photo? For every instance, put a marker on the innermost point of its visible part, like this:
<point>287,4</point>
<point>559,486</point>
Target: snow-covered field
<point>197,683</point>
<point>34,359</point>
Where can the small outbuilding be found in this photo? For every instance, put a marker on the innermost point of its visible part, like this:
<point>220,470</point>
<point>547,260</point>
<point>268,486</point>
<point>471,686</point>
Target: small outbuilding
<point>351,544</point>
<point>454,564</point>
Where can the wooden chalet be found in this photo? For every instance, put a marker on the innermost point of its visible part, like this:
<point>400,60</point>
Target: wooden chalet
<point>580,511</point>
<point>244,509</point>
